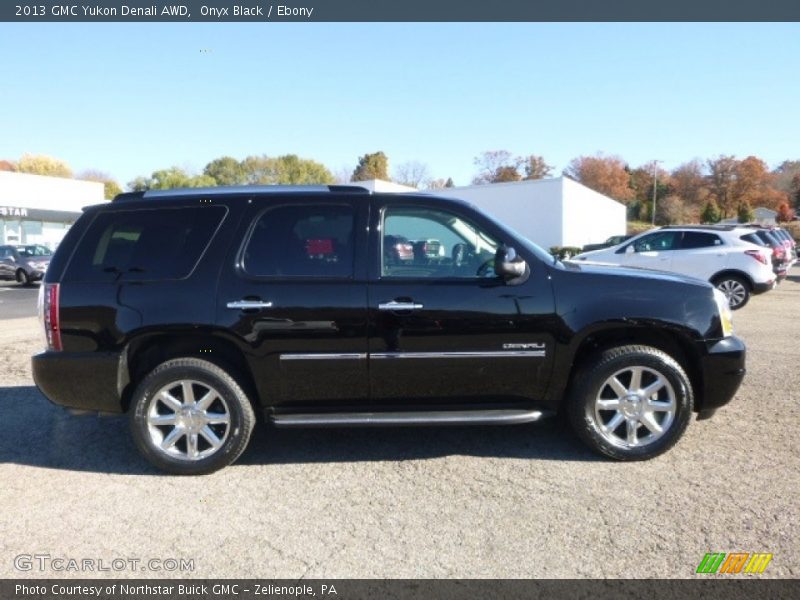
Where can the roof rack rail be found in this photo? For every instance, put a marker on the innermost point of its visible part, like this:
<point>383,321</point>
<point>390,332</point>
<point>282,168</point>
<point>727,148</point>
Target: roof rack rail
<point>241,190</point>
<point>712,226</point>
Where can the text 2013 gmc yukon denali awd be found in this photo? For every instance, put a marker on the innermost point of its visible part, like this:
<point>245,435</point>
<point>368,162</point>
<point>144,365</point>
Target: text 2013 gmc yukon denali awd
<point>195,310</point>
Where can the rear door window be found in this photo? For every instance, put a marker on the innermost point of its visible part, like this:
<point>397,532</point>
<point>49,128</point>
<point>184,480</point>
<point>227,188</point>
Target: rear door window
<point>699,239</point>
<point>302,241</point>
<point>149,244</point>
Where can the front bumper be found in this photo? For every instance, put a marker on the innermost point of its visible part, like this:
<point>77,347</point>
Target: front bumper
<point>723,368</point>
<point>80,380</point>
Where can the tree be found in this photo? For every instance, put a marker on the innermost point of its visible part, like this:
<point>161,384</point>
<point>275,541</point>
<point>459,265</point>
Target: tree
<point>722,183</point>
<point>7,165</point>
<point>536,168</point>
<point>288,169</point>
<point>496,166</point>
<point>167,179</point>
<point>711,212</point>
<point>785,175</point>
<point>689,182</point>
<point>110,187</point>
<point>226,170</point>
<point>43,165</point>
<point>795,190</point>
<point>734,182</point>
<point>449,183</point>
<point>293,170</point>
<point>785,213</point>
<point>371,166</point>
<point>671,211</point>
<point>412,173</point>
<point>605,174</point>
<point>744,213</point>
<point>641,182</point>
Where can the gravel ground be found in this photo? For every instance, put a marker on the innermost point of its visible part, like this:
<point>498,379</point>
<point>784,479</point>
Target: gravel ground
<point>524,501</point>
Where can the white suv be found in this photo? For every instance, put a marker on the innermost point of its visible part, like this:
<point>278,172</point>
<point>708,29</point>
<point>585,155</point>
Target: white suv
<point>719,254</point>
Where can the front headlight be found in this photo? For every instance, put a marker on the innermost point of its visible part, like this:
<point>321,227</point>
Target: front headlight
<point>725,314</point>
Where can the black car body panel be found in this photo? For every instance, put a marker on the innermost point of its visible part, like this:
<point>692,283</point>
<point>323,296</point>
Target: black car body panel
<point>325,344</point>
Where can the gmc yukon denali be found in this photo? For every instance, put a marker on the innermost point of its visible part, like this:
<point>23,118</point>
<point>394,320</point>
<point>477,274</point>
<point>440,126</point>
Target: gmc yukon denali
<point>197,310</point>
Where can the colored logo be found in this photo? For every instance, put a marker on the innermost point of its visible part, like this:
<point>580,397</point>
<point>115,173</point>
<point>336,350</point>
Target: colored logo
<point>734,562</point>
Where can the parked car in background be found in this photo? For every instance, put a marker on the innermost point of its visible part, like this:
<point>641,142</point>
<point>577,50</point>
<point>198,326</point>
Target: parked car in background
<point>614,240</point>
<point>25,264</point>
<point>715,253</point>
<point>192,310</point>
<point>789,243</point>
<point>766,238</point>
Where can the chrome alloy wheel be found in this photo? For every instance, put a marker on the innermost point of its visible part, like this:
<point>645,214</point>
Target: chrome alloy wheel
<point>634,407</point>
<point>188,420</point>
<point>734,291</point>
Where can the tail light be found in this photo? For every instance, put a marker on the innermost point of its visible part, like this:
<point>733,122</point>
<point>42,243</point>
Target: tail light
<point>757,255</point>
<point>49,315</point>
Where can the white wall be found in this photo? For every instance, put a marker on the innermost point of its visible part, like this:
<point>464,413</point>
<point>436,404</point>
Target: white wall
<point>381,186</point>
<point>532,208</point>
<point>48,193</point>
<point>590,217</point>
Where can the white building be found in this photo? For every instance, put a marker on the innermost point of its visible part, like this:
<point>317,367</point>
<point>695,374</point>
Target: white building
<point>549,212</point>
<point>38,210</point>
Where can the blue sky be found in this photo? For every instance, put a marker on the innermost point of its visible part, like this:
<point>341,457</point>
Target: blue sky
<point>132,98</point>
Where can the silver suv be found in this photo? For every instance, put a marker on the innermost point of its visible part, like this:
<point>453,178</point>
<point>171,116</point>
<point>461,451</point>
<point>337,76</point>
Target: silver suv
<point>24,264</point>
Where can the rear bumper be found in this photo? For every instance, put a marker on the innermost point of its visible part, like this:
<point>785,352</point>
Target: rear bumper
<point>81,380</point>
<point>723,368</point>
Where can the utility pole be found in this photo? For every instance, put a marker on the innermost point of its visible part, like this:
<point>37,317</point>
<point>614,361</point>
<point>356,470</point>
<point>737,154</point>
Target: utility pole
<point>655,187</point>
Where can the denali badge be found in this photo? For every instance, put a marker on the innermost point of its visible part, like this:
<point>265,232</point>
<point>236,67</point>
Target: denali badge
<point>533,346</point>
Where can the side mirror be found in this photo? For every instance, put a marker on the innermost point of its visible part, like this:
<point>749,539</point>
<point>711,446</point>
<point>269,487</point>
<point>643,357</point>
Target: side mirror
<point>630,249</point>
<point>508,264</point>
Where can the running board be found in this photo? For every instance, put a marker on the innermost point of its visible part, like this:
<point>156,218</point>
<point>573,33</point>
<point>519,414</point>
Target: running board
<point>441,417</point>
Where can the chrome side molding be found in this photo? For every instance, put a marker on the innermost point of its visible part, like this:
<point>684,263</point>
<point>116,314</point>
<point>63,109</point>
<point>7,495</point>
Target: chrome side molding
<point>395,305</point>
<point>486,354</point>
<point>343,356</point>
<point>248,304</point>
<point>444,417</point>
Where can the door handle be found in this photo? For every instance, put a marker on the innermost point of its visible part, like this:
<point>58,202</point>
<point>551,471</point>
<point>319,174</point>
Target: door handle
<point>248,304</point>
<point>395,305</point>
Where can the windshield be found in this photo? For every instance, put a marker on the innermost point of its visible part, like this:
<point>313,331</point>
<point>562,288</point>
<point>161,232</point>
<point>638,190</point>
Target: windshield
<point>33,250</point>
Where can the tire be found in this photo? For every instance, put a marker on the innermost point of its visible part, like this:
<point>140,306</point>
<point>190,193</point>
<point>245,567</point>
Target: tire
<point>657,421</point>
<point>735,288</point>
<point>22,278</point>
<point>190,417</point>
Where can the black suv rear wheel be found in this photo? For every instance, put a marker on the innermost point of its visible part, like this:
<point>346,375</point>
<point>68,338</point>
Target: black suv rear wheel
<point>190,417</point>
<point>631,402</point>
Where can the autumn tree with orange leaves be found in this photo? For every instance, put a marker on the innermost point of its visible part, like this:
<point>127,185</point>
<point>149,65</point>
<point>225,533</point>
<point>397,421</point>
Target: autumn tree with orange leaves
<point>605,174</point>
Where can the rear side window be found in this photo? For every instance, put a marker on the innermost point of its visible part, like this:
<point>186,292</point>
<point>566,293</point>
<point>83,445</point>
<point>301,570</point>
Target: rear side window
<point>699,239</point>
<point>144,244</point>
<point>753,239</point>
<point>302,241</point>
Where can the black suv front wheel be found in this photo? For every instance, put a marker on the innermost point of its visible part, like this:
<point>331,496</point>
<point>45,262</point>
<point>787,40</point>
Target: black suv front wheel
<point>190,417</point>
<point>631,402</point>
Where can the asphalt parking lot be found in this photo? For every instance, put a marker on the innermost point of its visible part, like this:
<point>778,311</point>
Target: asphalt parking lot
<point>509,502</point>
<point>17,301</point>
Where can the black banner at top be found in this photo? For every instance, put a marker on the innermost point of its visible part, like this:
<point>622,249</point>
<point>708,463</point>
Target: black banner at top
<point>255,11</point>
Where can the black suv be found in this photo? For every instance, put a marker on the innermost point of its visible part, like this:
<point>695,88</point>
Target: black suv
<point>194,310</point>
